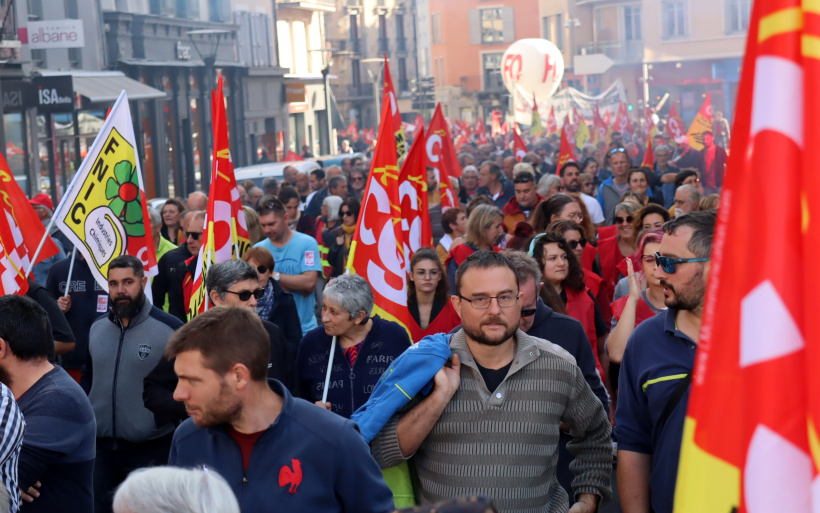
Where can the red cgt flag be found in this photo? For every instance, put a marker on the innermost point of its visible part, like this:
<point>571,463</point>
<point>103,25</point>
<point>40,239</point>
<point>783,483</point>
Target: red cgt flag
<point>674,124</point>
<point>519,146</point>
<point>389,98</point>
<point>751,440</point>
<point>649,156</point>
<point>377,251</point>
<point>441,154</point>
<point>481,132</point>
<point>415,212</point>
<point>622,123</point>
<point>566,152</point>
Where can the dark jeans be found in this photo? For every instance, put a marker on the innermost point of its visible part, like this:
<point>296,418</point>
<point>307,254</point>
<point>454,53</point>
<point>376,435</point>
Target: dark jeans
<point>113,465</point>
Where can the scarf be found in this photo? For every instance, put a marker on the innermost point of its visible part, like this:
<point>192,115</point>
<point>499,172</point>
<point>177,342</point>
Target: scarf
<point>265,305</point>
<point>349,230</point>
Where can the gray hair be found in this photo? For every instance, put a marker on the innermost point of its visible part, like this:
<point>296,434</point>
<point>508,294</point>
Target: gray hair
<point>352,293</point>
<point>335,181</point>
<point>174,490</point>
<point>220,277</point>
<point>663,147</point>
<point>252,189</point>
<point>269,184</point>
<point>523,167</point>
<point>469,169</point>
<point>333,204</point>
<point>154,216</point>
<point>525,266</point>
<point>694,192</point>
<point>546,182</point>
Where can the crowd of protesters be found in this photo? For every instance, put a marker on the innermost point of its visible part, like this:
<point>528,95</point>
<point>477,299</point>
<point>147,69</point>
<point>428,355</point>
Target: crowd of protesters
<point>552,334</point>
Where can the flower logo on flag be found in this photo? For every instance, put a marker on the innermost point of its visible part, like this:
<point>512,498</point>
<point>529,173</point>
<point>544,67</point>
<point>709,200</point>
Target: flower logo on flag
<point>124,192</point>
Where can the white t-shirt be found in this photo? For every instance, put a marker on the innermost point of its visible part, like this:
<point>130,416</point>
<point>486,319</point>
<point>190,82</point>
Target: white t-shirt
<point>594,208</point>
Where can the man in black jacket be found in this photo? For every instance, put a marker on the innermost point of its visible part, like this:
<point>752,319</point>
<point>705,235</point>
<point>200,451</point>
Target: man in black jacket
<point>171,275</point>
<point>231,283</point>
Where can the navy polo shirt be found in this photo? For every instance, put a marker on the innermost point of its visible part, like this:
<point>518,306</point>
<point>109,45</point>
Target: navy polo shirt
<point>657,357</point>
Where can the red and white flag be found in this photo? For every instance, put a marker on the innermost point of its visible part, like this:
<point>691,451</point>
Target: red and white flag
<point>750,440</point>
<point>674,124</point>
<point>567,152</point>
<point>552,124</point>
<point>441,154</point>
<point>389,98</point>
<point>496,125</point>
<point>519,146</point>
<point>415,211</point>
<point>481,132</point>
<point>622,123</point>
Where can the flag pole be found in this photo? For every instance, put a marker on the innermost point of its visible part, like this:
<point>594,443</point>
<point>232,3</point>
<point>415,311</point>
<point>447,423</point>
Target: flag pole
<point>40,247</point>
<point>70,271</point>
<point>329,368</point>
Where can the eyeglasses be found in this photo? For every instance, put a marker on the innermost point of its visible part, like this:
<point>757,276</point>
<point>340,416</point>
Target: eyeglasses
<point>195,235</point>
<point>262,269</point>
<point>574,243</point>
<point>617,150</point>
<point>669,264</point>
<point>627,219</point>
<point>246,294</point>
<point>432,273</point>
<point>359,179</point>
<point>483,302</point>
<point>346,213</point>
<point>561,188</point>
<point>528,312</point>
<point>525,178</point>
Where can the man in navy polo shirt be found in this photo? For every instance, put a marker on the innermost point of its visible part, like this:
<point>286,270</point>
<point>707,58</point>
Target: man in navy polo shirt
<point>255,434</point>
<point>656,369</point>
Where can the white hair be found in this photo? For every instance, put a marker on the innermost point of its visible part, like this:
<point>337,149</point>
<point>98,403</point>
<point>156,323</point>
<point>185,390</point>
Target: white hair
<point>174,490</point>
<point>546,183</point>
<point>155,216</point>
<point>333,204</point>
<point>469,169</point>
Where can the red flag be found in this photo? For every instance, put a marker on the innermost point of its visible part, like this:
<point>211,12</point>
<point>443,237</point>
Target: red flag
<point>389,98</point>
<point>415,212</point>
<point>505,128</point>
<point>750,441</point>
<point>570,127</point>
<point>226,233</point>
<point>649,156</point>
<point>552,123</point>
<point>377,251</point>
<point>441,154</point>
<point>674,124</point>
<point>419,125</point>
<point>12,276</point>
<point>622,123</point>
<point>353,131</point>
<point>292,156</point>
<point>566,153</point>
<point>481,132</point>
<point>519,147</point>
<point>369,135</point>
<point>702,123</point>
<point>496,125</point>
<point>24,225</point>
<point>601,130</point>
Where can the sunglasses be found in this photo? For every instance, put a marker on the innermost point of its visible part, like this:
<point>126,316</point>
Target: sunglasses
<point>528,312</point>
<point>627,219</point>
<point>195,235</point>
<point>617,150</point>
<point>359,179</point>
<point>669,265</point>
<point>262,269</point>
<point>573,244</point>
<point>524,179</point>
<point>246,294</point>
<point>346,213</point>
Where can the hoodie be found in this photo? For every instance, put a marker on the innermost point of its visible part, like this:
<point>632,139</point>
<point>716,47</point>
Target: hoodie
<point>608,197</point>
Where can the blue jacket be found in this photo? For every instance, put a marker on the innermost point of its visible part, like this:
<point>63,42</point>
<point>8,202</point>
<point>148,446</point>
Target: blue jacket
<point>412,372</point>
<point>350,387</point>
<point>308,461</point>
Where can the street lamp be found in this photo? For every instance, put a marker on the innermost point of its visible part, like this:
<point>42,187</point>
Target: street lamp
<point>375,80</point>
<point>327,61</point>
<point>209,60</point>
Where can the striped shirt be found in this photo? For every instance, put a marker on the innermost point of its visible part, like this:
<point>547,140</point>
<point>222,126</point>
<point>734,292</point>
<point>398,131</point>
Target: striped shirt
<point>12,427</point>
<point>504,444</point>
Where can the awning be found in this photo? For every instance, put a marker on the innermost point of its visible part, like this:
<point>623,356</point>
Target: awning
<point>106,86</point>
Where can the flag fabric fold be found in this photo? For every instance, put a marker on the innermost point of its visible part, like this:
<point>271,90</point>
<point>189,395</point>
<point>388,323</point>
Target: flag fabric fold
<point>519,146</point>
<point>674,124</point>
<point>441,154</point>
<point>566,152</point>
<point>552,124</point>
<point>415,211</point>
<point>389,98</point>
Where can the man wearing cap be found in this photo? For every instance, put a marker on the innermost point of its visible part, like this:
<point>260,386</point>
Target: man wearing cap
<point>44,207</point>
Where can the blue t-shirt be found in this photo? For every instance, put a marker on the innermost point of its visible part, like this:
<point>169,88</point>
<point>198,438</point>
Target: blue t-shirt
<point>297,256</point>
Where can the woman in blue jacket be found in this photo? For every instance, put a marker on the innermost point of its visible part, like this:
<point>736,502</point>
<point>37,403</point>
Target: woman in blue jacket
<point>364,347</point>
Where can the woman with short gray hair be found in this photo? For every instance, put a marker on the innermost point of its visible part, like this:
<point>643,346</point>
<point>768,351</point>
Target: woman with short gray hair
<point>174,490</point>
<point>340,363</point>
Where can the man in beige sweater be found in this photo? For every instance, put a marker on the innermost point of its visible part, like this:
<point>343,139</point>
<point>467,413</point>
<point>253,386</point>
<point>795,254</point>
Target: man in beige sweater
<point>491,425</point>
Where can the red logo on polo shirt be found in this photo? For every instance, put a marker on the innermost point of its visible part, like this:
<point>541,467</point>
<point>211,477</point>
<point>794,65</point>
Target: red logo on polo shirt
<point>291,476</point>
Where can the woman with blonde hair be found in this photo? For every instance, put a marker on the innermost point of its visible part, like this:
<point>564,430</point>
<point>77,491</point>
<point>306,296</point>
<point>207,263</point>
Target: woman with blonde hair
<point>484,227</point>
<point>255,233</point>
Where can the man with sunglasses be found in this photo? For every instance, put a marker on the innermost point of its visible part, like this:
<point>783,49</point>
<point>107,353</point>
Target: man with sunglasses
<point>657,366</point>
<point>173,267</point>
<point>230,283</point>
<point>613,188</point>
<point>508,388</point>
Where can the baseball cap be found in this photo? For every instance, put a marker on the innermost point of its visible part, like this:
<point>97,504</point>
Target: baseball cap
<point>42,199</point>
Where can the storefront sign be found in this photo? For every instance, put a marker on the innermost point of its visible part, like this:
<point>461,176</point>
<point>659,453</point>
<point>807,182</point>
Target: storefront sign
<point>295,92</point>
<point>44,35</point>
<point>53,94</point>
<point>15,95</point>
<point>183,51</point>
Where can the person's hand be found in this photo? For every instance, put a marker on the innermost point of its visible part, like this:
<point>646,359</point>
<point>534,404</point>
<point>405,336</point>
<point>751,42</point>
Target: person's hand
<point>587,503</point>
<point>32,493</point>
<point>64,302</point>
<point>320,404</point>
<point>340,240</point>
<point>448,379</point>
<point>635,288</point>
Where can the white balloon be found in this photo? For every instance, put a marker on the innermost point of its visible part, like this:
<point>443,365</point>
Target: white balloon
<point>534,65</point>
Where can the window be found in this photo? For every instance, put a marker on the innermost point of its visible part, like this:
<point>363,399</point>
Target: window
<point>404,84</point>
<point>632,23</point>
<point>435,22</point>
<point>491,66</point>
<point>673,19</point>
<point>737,15</point>
<point>553,29</point>
<point>492,26</point>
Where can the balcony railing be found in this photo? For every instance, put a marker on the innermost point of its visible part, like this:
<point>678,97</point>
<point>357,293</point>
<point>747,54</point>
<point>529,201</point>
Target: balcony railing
<point>353,91</point>
<point>622,52</point>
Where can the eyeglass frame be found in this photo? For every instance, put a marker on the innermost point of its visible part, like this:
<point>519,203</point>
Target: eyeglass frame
<point>673,262</point>
<point>490,301</point>
<point>258,294</point>
<point>421,273</point>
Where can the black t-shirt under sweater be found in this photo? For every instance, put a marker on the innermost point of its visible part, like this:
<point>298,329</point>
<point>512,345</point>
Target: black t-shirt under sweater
<point>493,377</point>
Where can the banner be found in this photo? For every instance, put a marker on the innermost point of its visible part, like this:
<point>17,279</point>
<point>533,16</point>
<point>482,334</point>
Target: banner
<point>415,212</point>
<point>377,251</point>
<point>702,123</point>
<point>564,100</point>
<point>226,233</point>
<point>750,440</point>
<point>519,146</point>
<point>441,155</point>
<point>104,212</point>
<point>674,124</point>
<point>389,98</point>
